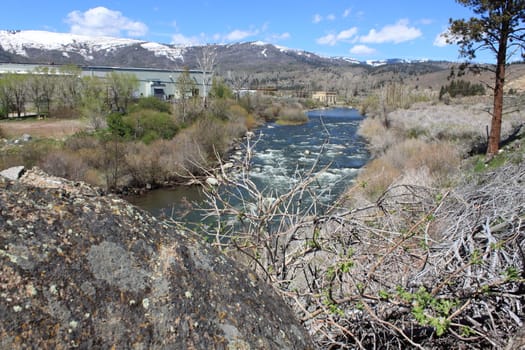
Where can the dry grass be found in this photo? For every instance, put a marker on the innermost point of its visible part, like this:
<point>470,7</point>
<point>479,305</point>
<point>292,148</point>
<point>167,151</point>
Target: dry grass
<point>423,145</point>
<point>463,122</point>
<point>379,137</point>
<point>413,162</point>
<point>48,128</point>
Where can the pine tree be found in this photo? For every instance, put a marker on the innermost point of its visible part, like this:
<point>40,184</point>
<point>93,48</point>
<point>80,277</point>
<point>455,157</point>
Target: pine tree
<point>498,26</point>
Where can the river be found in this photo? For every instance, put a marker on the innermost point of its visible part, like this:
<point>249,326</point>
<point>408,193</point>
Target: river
<point>282,155</point>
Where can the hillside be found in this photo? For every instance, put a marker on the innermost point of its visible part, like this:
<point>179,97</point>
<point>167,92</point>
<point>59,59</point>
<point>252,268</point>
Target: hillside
<point>266,64</point>
<point>258,64</point>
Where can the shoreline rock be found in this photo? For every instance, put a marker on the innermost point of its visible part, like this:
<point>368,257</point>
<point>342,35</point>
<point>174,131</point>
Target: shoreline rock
<point>89,270</point>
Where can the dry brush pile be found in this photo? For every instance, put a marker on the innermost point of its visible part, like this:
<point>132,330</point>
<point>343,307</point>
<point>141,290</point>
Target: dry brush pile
<point>418,268</point>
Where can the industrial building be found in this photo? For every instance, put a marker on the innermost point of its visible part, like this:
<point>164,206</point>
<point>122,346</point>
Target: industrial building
<point>161,83</point>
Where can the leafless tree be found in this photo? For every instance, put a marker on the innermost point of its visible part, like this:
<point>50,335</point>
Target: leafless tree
<point>207,64</point>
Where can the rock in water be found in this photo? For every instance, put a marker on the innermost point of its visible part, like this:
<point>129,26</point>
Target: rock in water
<point>88,270</point>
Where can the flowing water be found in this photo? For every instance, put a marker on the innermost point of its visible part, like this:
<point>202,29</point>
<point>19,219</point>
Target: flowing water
<point>282,154</point>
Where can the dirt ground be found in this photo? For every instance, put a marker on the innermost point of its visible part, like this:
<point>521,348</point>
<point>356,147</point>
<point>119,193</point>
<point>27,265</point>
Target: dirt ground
<point>50,128</point>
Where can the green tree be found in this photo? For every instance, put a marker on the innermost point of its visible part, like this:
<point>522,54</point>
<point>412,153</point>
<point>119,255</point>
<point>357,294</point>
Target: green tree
<point>220,90</point>
<point>69,86</point>
<point>185,86</point>
<point>498,26</point>
<point>94,104</point>
<point>41,89</point>
<point>6,96</point>
<point>121,87</point>
<point>15,92</point>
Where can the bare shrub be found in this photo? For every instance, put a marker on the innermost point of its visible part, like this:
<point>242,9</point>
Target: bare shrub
<point>440,159</point>
<point>80,141</point>
<point>93,177</point>
<point>379,137</point>
<point>270,113</point>
<point>292,115</point>
<point>237,112</point>
<point>418,268</point>
<point>143,163</point>
<point>64,164</point>
<point>184,154</point>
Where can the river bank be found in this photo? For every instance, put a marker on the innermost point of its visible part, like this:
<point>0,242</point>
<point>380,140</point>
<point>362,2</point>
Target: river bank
<point>426,144</point>
<point>282,154</point>
<point>424,262</point>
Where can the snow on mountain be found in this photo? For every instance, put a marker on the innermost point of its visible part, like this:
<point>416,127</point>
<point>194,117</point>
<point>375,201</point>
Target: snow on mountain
<point>18,42</point>
<point>64,48</point>
<point>159,50</point>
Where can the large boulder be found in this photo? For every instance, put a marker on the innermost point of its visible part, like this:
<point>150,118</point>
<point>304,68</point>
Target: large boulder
<point>83,269</point>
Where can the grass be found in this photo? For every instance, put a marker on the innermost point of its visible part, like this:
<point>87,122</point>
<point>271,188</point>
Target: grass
<point>431,139</point>
<point>45,128</point>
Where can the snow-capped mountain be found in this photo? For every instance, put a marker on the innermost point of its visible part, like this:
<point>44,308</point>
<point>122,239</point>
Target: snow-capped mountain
<point>42,47</point>
<point>45,47</point>
<point>32,46</point>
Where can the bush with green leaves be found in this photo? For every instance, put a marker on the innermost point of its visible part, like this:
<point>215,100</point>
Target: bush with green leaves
<point>152,103</point>
<point>145,125</point>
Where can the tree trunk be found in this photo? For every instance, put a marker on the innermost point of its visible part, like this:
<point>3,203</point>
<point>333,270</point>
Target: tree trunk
<point>497,113</point>
<point>495,126</point>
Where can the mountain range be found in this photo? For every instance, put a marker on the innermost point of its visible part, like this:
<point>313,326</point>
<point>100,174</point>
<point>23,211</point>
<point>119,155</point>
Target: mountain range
<point>42,47</point>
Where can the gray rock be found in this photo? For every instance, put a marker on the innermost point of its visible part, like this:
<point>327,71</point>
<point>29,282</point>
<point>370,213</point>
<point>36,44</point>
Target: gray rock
<point>82,269</point>
<point>13,173</point>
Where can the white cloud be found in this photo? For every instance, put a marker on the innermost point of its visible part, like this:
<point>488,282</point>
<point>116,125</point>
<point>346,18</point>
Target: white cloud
<point>441,39</point>
<point>333,39</point>
<point>100,21</point>
<point>396,33</point>
<point>346,13</point>
<point>347,34</point>
<point>329,39</point>
<point>317,18</point>
<point>180,39</point>
<point>362,50</point>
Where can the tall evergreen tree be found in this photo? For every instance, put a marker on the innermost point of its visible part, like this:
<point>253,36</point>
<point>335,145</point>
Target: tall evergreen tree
<point>498,26</point>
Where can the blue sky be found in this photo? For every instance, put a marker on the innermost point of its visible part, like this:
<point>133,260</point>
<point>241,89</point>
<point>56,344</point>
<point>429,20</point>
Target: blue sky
<point>373,29</point>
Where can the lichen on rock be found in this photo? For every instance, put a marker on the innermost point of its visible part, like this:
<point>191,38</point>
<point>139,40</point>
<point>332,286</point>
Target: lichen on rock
<point>79,268</point>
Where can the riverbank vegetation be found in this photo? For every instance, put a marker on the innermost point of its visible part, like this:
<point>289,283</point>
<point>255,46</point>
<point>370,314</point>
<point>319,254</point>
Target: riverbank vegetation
<point>120,141</point>
<point>425,251</point>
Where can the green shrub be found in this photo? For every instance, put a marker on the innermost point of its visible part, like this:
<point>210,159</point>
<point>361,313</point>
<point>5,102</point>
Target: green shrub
<point>149,137</point>
<point>145,125</point>
<point>117,126</point>
<point>152,103</point>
